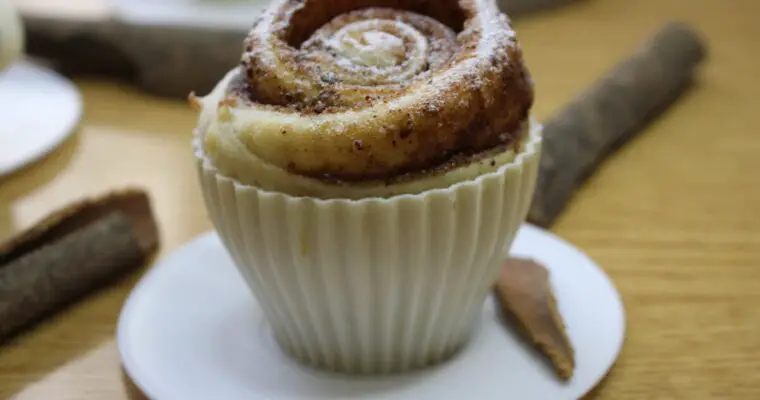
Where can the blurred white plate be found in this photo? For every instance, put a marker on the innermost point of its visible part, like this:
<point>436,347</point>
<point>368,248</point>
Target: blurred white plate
<point>192,330</point>
<point>39,109</point>
<point>226,14</point>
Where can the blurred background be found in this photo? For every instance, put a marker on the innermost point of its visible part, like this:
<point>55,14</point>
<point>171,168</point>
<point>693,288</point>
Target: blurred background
<point>97,100</point>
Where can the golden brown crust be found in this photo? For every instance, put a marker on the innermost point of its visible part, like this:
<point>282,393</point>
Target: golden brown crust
<point>373,89</point>
<point>194,102</point>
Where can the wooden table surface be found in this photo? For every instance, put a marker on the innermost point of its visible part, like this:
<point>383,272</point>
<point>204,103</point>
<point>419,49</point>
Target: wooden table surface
<point>673,217</point>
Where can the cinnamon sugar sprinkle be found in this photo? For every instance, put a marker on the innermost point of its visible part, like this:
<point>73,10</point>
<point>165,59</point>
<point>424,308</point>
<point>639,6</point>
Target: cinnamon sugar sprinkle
<point>457,60</point>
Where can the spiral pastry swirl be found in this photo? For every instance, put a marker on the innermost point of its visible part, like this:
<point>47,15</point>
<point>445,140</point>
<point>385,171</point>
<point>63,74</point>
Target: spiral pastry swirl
<point>367,90</point>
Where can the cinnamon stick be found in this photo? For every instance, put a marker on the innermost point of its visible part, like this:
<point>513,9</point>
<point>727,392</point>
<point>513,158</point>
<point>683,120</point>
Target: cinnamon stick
<point>71,253</point>
<point>612,111</point>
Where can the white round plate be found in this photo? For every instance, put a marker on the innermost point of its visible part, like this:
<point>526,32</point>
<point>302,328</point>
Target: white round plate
<point>40,109</point>
<point>192,330</point>
<point>226,14</point>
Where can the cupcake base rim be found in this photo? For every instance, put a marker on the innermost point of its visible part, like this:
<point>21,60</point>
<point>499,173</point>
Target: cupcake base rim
<point>531,147</point>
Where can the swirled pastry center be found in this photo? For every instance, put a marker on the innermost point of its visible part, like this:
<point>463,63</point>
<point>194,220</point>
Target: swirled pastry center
<point>366,44</point>
<point>371,89</point>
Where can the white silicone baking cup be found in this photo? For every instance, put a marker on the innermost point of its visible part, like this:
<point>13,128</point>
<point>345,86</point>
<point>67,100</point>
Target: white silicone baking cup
<point>375,285</point>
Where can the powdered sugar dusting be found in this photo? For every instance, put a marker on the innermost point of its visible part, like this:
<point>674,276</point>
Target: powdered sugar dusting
<point>370,48</point>
<point>407,87</point>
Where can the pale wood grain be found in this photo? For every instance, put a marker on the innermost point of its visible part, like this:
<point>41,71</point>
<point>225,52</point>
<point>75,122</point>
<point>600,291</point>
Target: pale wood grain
<point>673,217</point>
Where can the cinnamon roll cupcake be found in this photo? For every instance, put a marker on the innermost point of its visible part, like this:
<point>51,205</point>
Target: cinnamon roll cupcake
<point>366,165</point>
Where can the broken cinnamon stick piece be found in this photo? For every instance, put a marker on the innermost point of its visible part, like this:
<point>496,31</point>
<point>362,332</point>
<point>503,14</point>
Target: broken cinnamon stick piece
<point>526,299</point>
<point>71,253</point>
